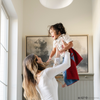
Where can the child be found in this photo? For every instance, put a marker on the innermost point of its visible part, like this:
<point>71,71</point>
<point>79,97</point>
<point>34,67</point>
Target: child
<point>58,33</point>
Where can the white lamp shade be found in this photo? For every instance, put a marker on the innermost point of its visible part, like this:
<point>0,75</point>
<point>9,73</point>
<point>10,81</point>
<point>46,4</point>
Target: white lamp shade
<point>55,4</point>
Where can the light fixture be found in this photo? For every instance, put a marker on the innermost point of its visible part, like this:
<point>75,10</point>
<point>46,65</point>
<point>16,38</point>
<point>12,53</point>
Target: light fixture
<point>55,4</point>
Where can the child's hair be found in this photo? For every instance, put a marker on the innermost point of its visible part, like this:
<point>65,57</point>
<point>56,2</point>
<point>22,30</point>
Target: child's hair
<point>58,27</point>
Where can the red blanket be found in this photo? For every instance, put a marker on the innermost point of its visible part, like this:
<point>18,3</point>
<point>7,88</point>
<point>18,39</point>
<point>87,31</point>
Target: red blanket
<point>75,60</point>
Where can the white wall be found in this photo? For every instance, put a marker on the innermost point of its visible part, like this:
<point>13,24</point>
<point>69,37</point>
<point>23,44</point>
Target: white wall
<point>0,30</point>
<point>77,19</point>
<point>18,4</point>
<point>13,42</point>
<point>96,46</point>
<point>15,11</point>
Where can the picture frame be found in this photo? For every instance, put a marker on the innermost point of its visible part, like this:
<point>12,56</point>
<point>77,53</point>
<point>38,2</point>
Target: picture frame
<point>40,46</point>
<point>80,44</point>
<point>43,45</point>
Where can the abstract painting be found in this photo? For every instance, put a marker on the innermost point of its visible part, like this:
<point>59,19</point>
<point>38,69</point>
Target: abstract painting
<point>40,46</point>
<point>80,44</point>
<point>43,45</point>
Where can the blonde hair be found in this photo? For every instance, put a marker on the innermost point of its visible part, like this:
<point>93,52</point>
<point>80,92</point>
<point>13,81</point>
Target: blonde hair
<point>30,70</point>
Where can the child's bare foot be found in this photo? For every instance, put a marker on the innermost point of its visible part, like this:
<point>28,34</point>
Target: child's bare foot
<point>64,85</point>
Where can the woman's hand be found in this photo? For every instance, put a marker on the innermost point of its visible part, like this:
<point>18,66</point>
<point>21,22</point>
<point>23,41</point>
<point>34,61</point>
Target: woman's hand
<point>64,45</point>
<point>39,60</point>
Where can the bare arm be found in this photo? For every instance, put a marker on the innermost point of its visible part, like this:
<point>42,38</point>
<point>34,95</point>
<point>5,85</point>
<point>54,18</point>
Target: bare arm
<point>52,54</point>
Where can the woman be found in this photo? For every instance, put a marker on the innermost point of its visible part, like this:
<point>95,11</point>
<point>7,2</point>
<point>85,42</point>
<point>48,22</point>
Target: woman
<point>39,79</point>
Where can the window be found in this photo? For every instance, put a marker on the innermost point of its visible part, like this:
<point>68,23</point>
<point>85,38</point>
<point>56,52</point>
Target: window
<point>4,54</point>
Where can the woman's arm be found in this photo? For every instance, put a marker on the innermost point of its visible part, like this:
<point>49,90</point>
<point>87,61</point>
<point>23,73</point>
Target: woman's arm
<point>52,72</point>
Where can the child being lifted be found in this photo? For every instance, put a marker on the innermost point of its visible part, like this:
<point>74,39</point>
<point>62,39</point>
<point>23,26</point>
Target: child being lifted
<point>58,33</point>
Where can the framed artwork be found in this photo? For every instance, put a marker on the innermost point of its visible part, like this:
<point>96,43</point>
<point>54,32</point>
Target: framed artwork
<point>40,46</point>
<point>80,44</point>
<point>43,45</point>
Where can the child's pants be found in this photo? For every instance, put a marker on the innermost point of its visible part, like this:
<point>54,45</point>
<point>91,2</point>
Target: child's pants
<point>68,81</point>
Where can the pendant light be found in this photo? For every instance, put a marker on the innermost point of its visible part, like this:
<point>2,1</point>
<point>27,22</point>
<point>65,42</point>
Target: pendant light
<point>55,4</point>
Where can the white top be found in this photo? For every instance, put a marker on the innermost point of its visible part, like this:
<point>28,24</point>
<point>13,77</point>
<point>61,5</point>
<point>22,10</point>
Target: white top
<point>48,86</point>
<point>59,42</point>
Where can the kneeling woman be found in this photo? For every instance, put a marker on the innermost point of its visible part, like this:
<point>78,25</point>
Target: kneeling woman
<point>37,79</point>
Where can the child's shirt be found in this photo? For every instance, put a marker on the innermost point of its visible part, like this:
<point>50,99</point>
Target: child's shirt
<point>59,42</point>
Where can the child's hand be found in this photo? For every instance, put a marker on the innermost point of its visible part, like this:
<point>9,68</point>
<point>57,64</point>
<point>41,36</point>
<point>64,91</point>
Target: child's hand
<point>49,59</point>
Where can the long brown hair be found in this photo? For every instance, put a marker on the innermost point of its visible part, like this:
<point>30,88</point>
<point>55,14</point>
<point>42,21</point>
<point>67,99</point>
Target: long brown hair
<point>30,70</point>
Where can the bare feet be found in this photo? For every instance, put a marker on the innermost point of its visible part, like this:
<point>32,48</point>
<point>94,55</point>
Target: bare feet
<point>64,85</point>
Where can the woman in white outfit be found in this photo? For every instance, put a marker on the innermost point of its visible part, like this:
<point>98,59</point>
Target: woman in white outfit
<point>37,79</point>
